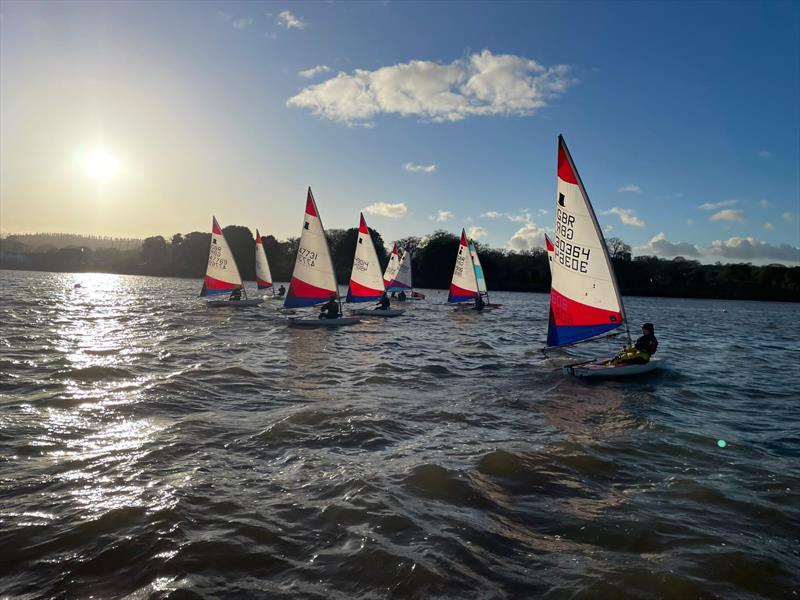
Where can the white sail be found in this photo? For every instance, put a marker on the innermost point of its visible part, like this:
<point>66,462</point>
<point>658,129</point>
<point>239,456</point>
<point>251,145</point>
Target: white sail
<point>476,262</point>
<point>584,297</point>
<point>313,279</point>
<point>366,280</point>
<point>392,268</point>
<point>222,274</point>
<point>263,275</point>
<point>402,280</point>
<point>464,285</point>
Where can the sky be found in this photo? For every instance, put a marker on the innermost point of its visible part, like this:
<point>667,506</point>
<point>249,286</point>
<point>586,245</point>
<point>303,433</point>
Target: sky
<point>144,118</point>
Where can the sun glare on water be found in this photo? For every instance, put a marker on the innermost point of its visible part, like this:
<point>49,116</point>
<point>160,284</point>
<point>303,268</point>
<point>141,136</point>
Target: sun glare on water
<point>100,165</point>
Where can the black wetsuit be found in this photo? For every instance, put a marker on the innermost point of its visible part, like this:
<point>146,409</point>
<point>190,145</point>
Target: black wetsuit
<point>383,303</point>
<point>330,310</point>
<point>647,343</point>
<point>479,303</point>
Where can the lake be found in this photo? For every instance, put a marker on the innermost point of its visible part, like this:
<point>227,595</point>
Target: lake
<point>153,447</point>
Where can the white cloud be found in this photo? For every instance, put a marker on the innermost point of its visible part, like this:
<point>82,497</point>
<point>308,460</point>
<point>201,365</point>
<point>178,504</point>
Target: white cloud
<point>626,215</point>
<point>271,36</point>
<point>734,248</point>
<point>690,221</point>
<point>716,205</point>
<point>314,71</point>
<point>522,217</point>
<point>412,168</point>
<point>441,216</point>
<point>750,248</point>
<point>480,84</point>
<point>764,153</point>
<point>475,233</point>
<point>679,195</point>
<point>769,226</point>
<point>631,187</point>
<point>384,209</point>
<point>492,214</point>
<point>661,246</point>
<point>288,20</point>
<point>787,216</point>
<point>527,238</point>
<point>608,228</point>
<point>241,23</point>
<point>543,211</point>
<point>728,215</point>
<point>764,203</point>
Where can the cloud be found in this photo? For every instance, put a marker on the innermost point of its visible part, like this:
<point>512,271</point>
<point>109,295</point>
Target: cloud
<point>271,36</point>
<point>443,215</point>
<point>543,211</point>
<point>764,203</point>
<point>626,215</point>
<point>631,187</point>
<point>679,195</point>
<point>728,215</point>
<point>530,236</point>
<point>769,226</point>
<point>661,246</point>
<point>787,216</point>
<point>478,85</point>
<point>690,221</point>
<point>475,233</point>
<point>716,205</point>
<point>523,217</point>
<point>384,209</point>
<point>764,153</point>
<point>241,23</point>
<point>492,214</point>
<point>412,168</point>
<point>288,20</point>
<point>608,228</point>
<point>734,248</point>
<point>314,71</point>
<point>749,248</point>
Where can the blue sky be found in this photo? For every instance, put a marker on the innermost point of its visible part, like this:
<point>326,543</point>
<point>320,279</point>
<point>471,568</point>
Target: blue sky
<point>682,119</point>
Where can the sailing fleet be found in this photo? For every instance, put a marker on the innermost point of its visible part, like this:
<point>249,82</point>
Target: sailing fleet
<point>585,302</point>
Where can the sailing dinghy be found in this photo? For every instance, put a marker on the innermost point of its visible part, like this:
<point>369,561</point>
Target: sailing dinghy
<point>482,289</point>
<point>585,302</point>
<point>366,281</point>
<point>222,274</point>
<point>464,284</point>
<point>313,279</point>
<point>263,274</point>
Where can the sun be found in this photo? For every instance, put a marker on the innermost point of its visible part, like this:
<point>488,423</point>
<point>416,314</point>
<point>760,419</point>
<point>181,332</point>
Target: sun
<point>100,165</point>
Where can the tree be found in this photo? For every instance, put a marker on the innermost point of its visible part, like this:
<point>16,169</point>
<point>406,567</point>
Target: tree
<point>618,249</point>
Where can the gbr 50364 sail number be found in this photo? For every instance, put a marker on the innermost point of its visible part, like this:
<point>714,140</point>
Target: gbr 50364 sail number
<point>567,253</point>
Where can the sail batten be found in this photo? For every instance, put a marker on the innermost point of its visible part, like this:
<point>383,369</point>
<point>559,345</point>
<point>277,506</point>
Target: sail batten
<point>584,298</point>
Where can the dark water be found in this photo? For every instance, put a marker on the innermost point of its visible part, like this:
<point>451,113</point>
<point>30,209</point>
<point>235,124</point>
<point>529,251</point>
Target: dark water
<point>152,447</point>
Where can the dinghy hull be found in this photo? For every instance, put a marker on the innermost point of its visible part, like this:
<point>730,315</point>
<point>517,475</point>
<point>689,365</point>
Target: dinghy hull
<point>600,368</point>
<point>322,323</point>
<point>235,303</point>
<point>374,312</point>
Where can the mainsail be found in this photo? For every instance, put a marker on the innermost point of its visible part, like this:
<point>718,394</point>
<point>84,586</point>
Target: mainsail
<point>222,274</point>
<point>402,279</point>
<point>392,268</point>
<point>313,280</point>
<point>476,262</point>
<point>464,285</point>
<point>584,296</point>
<point>366,281</point>
<point>263,275</point>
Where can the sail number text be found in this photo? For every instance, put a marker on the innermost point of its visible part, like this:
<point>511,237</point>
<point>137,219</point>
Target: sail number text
<point>361,265</point>
<point>307,257</point>
<point>215,260</point>
<point>568,254</point>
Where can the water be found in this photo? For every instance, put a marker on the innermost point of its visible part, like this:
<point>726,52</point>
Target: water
<point>152,447</point>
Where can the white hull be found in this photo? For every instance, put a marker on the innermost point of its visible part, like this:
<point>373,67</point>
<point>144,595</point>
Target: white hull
<point>599,368</point>
<point>322,323</point>
<point>374,312</point>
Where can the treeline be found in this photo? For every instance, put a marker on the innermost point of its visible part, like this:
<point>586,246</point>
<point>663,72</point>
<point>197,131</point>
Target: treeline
<point>433,260</point>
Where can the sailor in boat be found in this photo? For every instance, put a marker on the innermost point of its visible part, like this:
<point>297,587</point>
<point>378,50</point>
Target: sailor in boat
<point>281,291</point>
<point>236,295</point>
<point>330,310</point>
<point>384,302</point>
<point>394,295</point>
<point>479,303</point>
<point>401,296</point>
<point>641,351</point>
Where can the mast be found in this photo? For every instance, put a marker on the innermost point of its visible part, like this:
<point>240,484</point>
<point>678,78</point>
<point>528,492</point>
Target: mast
<point>599,231</point>
<point>330,258</point>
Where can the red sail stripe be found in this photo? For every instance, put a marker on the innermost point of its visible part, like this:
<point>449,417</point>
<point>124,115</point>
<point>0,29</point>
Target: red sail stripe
<point>215,228</point>
<point>301,289</point>
<point>357,289</point>
<point>566,311</point>
<point>311,207</point>
<point>564,169</point>
<point>362,226</point>
<point>219,285</point>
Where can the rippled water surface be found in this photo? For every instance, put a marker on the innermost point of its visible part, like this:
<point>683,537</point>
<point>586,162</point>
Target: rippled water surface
<point>153,447</point>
